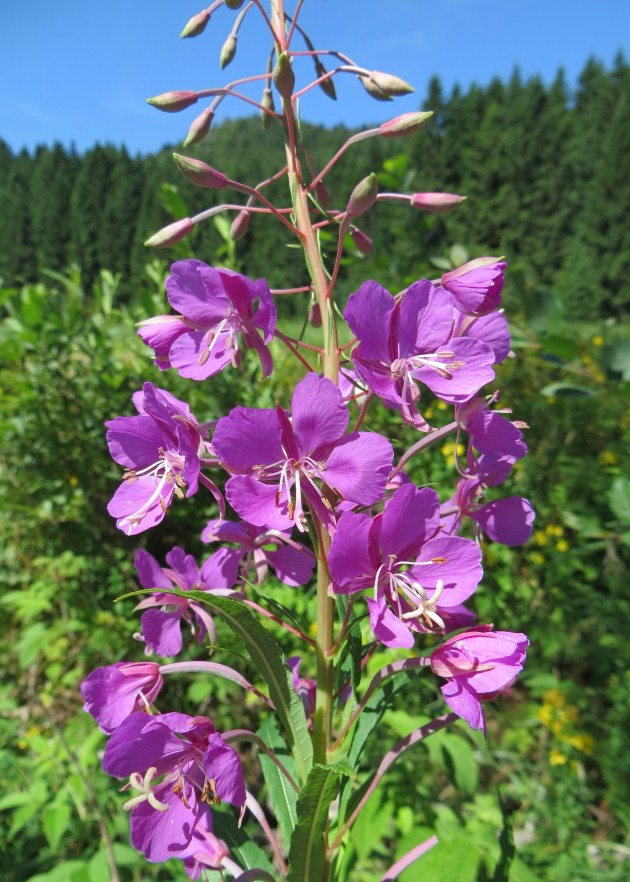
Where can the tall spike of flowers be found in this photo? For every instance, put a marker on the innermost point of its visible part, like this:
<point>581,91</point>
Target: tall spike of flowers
<point>366,530</point>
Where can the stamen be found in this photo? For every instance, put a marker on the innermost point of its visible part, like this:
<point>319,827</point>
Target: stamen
<point>146,792</point>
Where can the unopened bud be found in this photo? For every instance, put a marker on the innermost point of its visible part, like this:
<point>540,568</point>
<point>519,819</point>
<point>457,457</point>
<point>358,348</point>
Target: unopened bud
<point>436,203</point>
<point>322,194</point>
<point>199,173</point>
<point>233,4</point>
<point>327,86</point>
<point>228,51</point>
<point>315,315</point>
<point>171,234</point>
<point>283,76</point>
<point>389,84</point>
<point>373,90</point>
<point>240,225</point>
<point>172,102</point>
<point>363,196</point>
<point>404,124</point>
<point>362,241</point>
<point>267,107</point>
<point>199,127</point>
<point>196,25</point>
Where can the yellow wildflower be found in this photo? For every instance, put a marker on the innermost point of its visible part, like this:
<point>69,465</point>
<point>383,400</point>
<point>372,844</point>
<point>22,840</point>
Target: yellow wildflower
<point>556,758</point>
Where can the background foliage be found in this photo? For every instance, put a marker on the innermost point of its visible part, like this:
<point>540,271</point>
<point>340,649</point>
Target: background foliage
<point>547,175</point>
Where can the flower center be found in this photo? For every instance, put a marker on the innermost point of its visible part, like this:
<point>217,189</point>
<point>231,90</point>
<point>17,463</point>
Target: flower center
<point>398,585</point>
<point>166,472</point>
<point>291,473</point>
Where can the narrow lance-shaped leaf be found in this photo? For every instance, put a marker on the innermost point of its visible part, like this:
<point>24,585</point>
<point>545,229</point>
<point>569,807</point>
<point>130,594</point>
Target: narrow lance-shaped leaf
<point>306,855</point>
<point>269,662</point>
<point>282,796</point>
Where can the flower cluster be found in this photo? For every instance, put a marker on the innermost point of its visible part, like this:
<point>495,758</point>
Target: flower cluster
<point>399,560</point>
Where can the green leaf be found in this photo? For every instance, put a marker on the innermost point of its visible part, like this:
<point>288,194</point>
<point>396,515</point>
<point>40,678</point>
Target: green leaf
<point>461,761</point>
<point>565,348</point>
<point>55,822</point>
<point>283,797</point>
<point>269,662</point>
<point>306,855</point>
<point>454,859</point>
<point>619,499</point>
<point>243,849</point>
<point>619,359</point>
<point>520,872</point>
<point>506,841</point>
<point>67,871</point>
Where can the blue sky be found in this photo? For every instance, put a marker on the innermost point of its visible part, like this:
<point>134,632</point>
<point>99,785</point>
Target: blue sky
<point>78,71</point>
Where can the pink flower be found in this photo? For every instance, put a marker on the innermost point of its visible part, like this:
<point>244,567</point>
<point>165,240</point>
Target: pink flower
<point>476,286</point>
<point>112,693</point>
<point>478,665</point>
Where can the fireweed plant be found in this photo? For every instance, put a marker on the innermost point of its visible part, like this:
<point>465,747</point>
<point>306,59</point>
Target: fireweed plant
<point>312,497</point>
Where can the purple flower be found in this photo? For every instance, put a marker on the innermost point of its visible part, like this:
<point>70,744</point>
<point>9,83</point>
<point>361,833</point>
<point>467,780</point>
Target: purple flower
<point>508,521</point>
<point>478,665</point>
<point>489,431</point>
<point>491,329</point>
<point>279,461</point>
<point>416,580</point>
<point>196,766</point>
<point>476,286</point>
<point>161,623</point>
<point>402,342</point>
<point>215,306</point>
<point>205,850</point>
<point>160,450</point>
<point>305,687</point>
<point>293,562</point>
<point>113,692</point>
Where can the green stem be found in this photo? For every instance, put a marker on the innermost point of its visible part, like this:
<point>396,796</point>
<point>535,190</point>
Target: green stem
<point>322,726</point>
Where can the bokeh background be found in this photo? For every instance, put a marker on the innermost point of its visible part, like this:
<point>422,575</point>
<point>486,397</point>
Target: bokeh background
<point>531,105</point>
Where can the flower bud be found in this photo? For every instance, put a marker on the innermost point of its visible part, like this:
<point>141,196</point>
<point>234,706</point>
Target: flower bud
<point>233,4</point>
<point>372,89</point>
<point>172,102</point>
<point>315,315</point>
<point>404,124</point>
<point>228,51</point>
<point>476,286</point>
<point>196,25</point>
<point>171,234</point>
<point>389,84</point>
<point>283,76</point>
<point>267,105</point>
<point>327,86</point>
<point>363,196</point>
<point>199,127</point>
<point>362,241</point>
<point>322,194</point>
<point>240,225</point>
<point>199,173</point>
<point>436,203</point>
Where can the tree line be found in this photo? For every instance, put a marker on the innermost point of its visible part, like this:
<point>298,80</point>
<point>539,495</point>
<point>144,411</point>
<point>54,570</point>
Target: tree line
<point>546,170</point>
